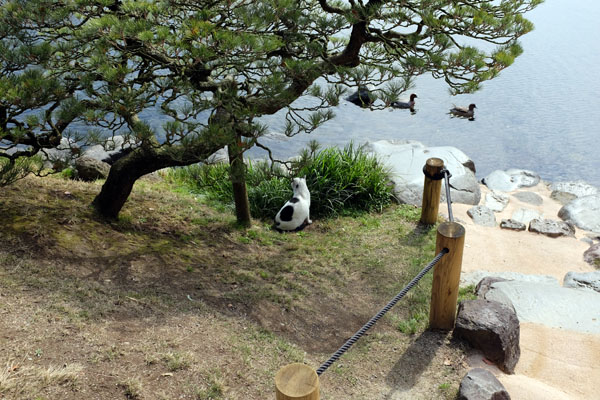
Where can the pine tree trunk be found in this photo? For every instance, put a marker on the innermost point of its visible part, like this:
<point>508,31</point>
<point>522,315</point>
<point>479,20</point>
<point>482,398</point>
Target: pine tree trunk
<point>144,160</point>
<point>122,177</point>
<point>238,181</point>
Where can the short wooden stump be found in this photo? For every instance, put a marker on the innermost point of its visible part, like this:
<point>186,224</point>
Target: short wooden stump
<point>297,382</point>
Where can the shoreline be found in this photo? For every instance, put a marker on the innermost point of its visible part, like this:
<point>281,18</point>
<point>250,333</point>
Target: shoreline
<point>555,363</point>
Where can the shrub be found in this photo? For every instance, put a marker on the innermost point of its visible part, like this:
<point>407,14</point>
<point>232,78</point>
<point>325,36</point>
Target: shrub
<point>341,181</point>
<point>345,181</point>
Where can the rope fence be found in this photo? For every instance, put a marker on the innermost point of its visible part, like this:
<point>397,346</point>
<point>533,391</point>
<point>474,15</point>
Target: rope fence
<point>299,381</point>
<point>380,314</point>
<point>447,176</point>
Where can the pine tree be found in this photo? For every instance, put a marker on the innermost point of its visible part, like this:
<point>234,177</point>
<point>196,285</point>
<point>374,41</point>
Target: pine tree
<point>85,70</point>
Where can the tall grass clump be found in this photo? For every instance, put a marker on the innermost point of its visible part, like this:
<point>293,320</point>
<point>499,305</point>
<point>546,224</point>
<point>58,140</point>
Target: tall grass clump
<point>341,181</point>
<point>268,188</point>
<point>344,181</point>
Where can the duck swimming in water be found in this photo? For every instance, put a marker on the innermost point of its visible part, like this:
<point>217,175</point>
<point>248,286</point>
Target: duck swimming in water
<point>405,104</point>
<point>464,111</point>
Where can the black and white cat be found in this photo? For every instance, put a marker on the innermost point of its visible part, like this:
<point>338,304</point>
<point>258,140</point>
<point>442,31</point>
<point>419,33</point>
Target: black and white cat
<point>295,213</point>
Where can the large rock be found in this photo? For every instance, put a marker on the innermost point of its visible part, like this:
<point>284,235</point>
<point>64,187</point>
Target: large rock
<point>90,169</point>
<point>61,156</point>
<point>475,277</point>
<point>109,152</point>
<point>362,97</point>
<point>482,215</point>
<point>562,197</point>
<point>512,179</point>
<point>529,197</point>
<point>552,228</point>
<point>481,384</point>
<point>574,188</point>
<point>550,304</point>
<point>524,178</point>
<point>406,159</point>
<point>484,285</point>
<point>220,156</point>
<point>512,225</point>
<point>491,327</point>
<point>592,255</point>
<point>583,280</point>
<point>496,201</point>
<point>584,212</point>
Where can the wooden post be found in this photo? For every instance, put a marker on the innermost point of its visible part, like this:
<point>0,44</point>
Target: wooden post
<point>446,276</point>
<point>431,191</point>
<point>297,382</point>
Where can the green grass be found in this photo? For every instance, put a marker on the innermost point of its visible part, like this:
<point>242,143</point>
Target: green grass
<point>466,293</point>
<point>345,181</point>
<point>174,261</point>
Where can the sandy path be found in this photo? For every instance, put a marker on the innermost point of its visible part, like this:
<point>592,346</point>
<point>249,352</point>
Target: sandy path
<point>555,364</point>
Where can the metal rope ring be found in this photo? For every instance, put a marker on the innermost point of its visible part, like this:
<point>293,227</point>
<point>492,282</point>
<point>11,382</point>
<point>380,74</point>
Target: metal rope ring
<point>436,177</point>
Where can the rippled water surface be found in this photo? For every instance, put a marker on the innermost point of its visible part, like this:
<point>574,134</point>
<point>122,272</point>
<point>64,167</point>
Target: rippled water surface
<point>541,114</point>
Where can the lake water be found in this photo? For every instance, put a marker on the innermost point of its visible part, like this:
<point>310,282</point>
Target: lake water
<point>541,114</point>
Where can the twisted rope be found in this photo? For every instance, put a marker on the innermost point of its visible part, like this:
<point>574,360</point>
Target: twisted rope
<point>380,314</point>
<point>447,176</point>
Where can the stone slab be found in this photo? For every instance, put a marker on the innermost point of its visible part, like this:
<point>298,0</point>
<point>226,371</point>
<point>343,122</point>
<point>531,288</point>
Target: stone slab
<point>550,305</point>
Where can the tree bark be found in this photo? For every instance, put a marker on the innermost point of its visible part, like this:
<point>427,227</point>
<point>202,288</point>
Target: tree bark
<point>118,185</point>
<point>238,181</point>
<point>144,160</point>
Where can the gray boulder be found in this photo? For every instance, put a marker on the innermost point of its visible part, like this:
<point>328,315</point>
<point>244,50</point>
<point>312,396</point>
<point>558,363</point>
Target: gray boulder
<point>362,97</point>
<point>496,201</point>
<point>474,277</point>
<point>218,157</point>
<point>512,179</point>
<point>482,215</point>
<point>512,225</point>
<point>484,285</point>
<point>491,327</point>
<point>525,215</point>
<point>500,180</point>
<point>529,197</point>
<point>113,149</point>
<point>592,255</point>
<point>583,280</point>
<point>523,177</point>
<point>550,304</point>
<point>567,191</point>
<point>562,197</point>
<point>90,169</point>
<point>552,228</point>
<point>405,160</point>
<point>584,212</point>
<point>61,156</point>
<point>594,237</point>
<point>481,384</point>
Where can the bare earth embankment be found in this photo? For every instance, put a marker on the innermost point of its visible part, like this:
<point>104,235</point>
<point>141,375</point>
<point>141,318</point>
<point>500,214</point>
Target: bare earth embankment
<point>173,301</point>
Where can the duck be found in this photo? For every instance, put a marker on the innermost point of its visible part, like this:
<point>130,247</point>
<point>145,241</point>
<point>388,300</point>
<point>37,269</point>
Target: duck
<point>466,112</point>
<point>405,104</point>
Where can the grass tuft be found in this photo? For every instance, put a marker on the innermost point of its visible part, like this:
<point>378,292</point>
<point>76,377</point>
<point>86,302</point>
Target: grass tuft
<point>54,375</point>
<point>132,388</point>
<point>177,361</point>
